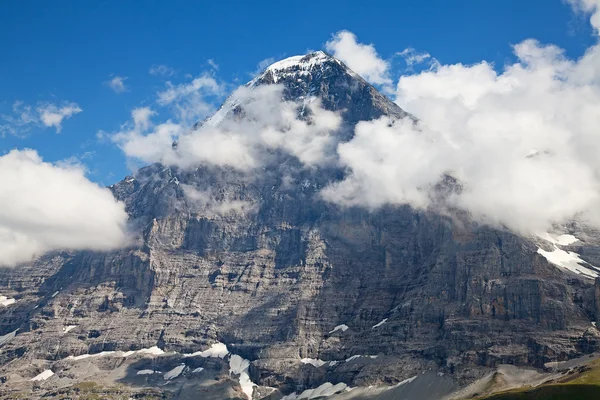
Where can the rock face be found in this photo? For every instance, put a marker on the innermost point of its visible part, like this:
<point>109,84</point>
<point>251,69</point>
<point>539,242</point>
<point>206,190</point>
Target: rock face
<point>267,267</point>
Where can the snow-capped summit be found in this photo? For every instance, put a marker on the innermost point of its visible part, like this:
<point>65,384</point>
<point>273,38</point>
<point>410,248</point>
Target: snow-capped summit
<point>300,64</point>
<point>319,75</point>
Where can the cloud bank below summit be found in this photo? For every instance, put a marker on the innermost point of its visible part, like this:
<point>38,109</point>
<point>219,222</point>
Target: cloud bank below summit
<point>521,139</point>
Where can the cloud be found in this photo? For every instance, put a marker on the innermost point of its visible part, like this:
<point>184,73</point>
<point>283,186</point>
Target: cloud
<point>141,117</point>
<point>117,84</point>
<point>591,7</point>
<point>205,202</point>
<point>19,121</point>
<point>262,65</point>
<point>213,64</point>
<point>203,83</point>
<point>361,58</point>
<point>161,70</point>
<point>191,101</point>
<point>24,117</point>
<point>522,141</point>
<point>53,115</point>
<point>46,207</point>
<point>412,57</point>
<point>266,125</point>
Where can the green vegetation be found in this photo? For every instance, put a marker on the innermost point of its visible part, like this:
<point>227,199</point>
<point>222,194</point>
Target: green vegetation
<point>582,384</point>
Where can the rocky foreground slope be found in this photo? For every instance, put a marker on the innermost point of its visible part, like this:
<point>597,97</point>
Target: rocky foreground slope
<point>260,288</point>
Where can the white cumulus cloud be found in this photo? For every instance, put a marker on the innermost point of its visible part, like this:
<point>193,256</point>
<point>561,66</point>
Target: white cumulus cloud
<point>46,207</point>
<point>244,143</point>
<point>591,7</point>
<point>522,141</point>
<point>361,58</point>
<point>117,84</point>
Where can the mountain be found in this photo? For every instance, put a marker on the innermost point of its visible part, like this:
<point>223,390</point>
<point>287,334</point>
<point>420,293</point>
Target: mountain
<point>243,285</point>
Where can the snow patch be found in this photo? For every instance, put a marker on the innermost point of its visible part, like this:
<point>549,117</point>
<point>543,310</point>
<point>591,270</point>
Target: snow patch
<point>569,260</point>
<point>325,390</point>
<point>377,325</point>
<point>313,361</point>
<point>69,328</point>
<point>54,294</point>
<point>5,301</point>
<point>239,366</point>
<point>146,372</point>
<point>6,338</point>
<point>174,373</point>
<point>562,240</point>
<point>594,324</point>
<point>155,351</point>
<point>216,350</point>
<point>409,380</point>
<point>342,328</point>
<point>199,369</point>
<point>84,356</point>
<point>43,376</point>
<point>353,358</point>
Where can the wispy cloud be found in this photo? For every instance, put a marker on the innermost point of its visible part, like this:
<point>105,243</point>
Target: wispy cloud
<point>412,57</point>
<point>52,115</point>
<point>23,116</point>
<point>117,84</point>
<point>161,70</point>
<point>213,64</point>
<point>191,101</point>
<point>591,7</point>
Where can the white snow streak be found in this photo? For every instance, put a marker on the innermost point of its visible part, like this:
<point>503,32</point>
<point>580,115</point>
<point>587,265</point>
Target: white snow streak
<point>216,350</point>
<point>239,366</point>
<point>569,261</point>
<point>313,361</point>
<point>377,325</point>
<point>155,351</point>
<point>174,373</point>
<point>342,328</point>
<point>5,301</point>
<point>43,376</point>
<point>145,372</point>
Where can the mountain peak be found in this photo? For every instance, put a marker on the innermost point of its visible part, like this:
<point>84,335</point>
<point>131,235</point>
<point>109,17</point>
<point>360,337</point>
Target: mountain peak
<point>300,65</point>
<point>321,75</point>
<point>305,62</point>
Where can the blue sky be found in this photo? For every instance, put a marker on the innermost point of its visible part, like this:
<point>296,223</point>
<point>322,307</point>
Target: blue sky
<point>63,52</point>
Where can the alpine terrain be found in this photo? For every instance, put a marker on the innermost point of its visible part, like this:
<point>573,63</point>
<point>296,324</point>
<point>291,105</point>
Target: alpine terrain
<point>239,285</point>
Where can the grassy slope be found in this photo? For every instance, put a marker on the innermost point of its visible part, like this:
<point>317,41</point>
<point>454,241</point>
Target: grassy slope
<point>582,384</point>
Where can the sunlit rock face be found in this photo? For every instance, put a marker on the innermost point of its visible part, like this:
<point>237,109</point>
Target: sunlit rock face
<point>264,265</point>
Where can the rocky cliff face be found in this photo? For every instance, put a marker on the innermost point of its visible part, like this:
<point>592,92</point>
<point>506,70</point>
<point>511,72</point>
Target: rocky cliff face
<point>306,291</point>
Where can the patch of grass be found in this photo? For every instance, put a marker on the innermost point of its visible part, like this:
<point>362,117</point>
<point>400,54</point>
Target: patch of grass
<point>582,384</point>
<point>551,392</point>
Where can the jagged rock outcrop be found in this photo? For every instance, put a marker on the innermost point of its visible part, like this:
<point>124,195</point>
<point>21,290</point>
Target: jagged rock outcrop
<point>269,268</point>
